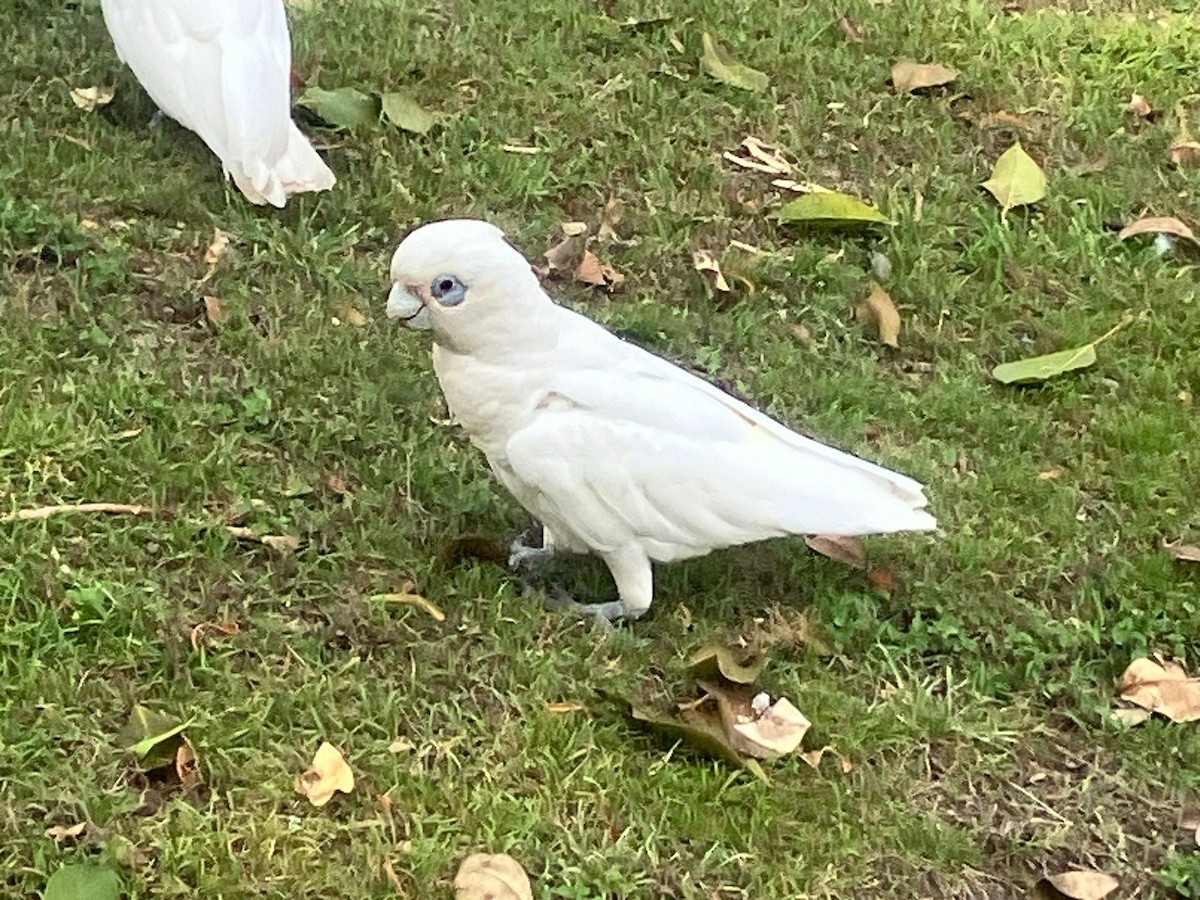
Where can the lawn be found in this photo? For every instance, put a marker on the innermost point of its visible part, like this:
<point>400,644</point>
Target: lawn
<point>973,700</point>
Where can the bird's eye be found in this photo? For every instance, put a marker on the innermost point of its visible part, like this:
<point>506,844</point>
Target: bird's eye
<point>448,290</point>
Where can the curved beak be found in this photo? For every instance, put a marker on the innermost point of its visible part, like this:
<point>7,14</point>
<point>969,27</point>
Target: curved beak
<point>405,304</point>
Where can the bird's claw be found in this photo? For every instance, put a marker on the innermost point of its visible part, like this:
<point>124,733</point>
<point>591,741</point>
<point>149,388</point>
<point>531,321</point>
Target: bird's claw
<point>521,554</point>
<point>602,614</point>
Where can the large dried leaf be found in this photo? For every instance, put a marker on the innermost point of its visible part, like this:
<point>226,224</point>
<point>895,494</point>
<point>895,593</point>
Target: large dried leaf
<point>88,98</point>
<point>754,724</point>
<point>844,548</point>
<point>491,876</point>
<point>1082,884</point>
<point>403,111</point>
<point>328,774</point>
<point>721,66</point>
<point>1163,687</point>
<point>910,75</point>
<point>1185,153</point>
<point>878,309</point>
<point>1037,369</point>
<point>1157,225</point>
<point>1016,179</point>
<point>82,882</point>
<point>344,107</point>
<point>706,264</point>
<point>413,599</point>
<point>1184,552</point>
<point>715,660</point>
<point>831,208</point>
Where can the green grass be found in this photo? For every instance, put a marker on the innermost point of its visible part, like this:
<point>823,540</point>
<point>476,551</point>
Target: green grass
<point>972,701</point>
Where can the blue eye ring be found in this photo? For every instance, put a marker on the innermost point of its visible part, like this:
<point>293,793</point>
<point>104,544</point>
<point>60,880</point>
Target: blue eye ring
<point>447,290</point>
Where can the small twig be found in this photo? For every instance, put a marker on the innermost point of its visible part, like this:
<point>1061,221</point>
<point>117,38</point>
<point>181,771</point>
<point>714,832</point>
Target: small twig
<point>45,512</point>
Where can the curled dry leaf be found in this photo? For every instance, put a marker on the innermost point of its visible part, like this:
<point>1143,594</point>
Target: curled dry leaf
<point>328,774</point>
<point>610,218</point>
<point>721,66</point>
<point>88,98</point>
<point>414,599</point>
<point>1184,552</point>
<point>1082,884</point>
<point>591,271</point>
<point>61,833</point>
<point>223,628</point>
<point>777,729</point>
<point>706,264</point>
<point>1185,153</point>
<point>760,157</point>
<point>213,311</point>
<point>559,707</point>
<point>491,876</point>
<point>186,768</point>
<point>717,661</point>
<point>283,544</point>
<point>1163,687</point>
<point>216,247</point>
<point>879,310</point>
<point>843,548</point>
<point>1157,225</point>
<point>814,757</point>
<point>1139,106</point>
<point>1016,179</point>
<point>852,29</point>
<point>910,75</point>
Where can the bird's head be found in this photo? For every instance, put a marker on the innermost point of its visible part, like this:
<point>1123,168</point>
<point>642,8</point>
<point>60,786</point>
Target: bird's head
<point>461,279</point>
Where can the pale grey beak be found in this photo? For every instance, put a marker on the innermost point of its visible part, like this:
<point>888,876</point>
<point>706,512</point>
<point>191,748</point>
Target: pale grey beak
<point>408,308</point>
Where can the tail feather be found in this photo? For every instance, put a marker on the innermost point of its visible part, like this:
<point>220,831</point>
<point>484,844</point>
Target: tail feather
<point>298,170</point>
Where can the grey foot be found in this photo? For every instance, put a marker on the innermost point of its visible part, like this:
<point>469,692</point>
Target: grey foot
<point>521,554</point>
<point>156,120</point>
<point>603,614</point>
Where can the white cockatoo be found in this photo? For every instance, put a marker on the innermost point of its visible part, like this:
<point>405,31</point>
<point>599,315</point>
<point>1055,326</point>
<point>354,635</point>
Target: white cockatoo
<point>614,450</point>
<point>223,69</point>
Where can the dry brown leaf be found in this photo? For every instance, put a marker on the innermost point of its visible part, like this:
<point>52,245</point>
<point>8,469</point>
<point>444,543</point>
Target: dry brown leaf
<point>1049,474</point>
<point>88,98</point>
<point>1157,225</point>
<point>389,872</point>
<point>61,833</point>
<point>814,757</point>
<point>852,29</point>
<point>284,544</point>
<point>328,774</point>
<point>491,876</point>
<point>1184,552</point>
<point>566,255</point>
<point>760,157</point>
<point>1161,686</point>
<point>610,218</point>
<point>1185,153</point>
<point>337,484</point>
<point>223,628</point>
<point>1082,884</point>
<point>843,548</point>
<point>706,264</point>
<point>185,764</point>
<point>778,729</point>
<point>401,745</point>
<point>1132,716</point>
<point>879,310</point>
<point>216,247</point>
<point>563,706</point>
<point>45,512</point>
<point>1139,106</point>
<point>803,333</point>
<point>909,75</point>
<point>591,271</point>
<point>213,311</point>
<point>883,579</point>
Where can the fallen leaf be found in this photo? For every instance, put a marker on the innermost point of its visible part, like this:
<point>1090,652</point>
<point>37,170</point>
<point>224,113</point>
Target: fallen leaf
<point>706,264</point>
<point>519,148</point>
<point>61,833</point>
<point>567,254</point>
<point>185,764</point>
<point>1163,687</point>
<point>883,579</point>
<point>1132,716</point>
<point>802,332</point>
<point>389,872</point>
<point>1048,474</point>
<point>328,774</point>
<point>843,548</point>
<point>1016,179</point>
<point>491,876</point>
<point>778,730</point>
<point>283,544</point>
<point>403,111</point>
<point>717,63</point>
<point>715,660</point>
<point>415,600</point>
<point>1037,369</point>
<point>224,628</point>
<point>591,271</point>
<point>560,707</point>
<point>761,157</point>
<point>150,735</point>
<point>213,311</point>
<point>1139,107</point>
<point>401,745</point>
<point>82,882</point>
<point>1184,552</point>
<point>1082,884</point>
<point>910,75</point>
<point>879,310</point>
<point>337,484</point>
<point>614,209</point>
<point>345,107</point>
<point>831,208</point>
<point>216,247</point>
<point>852,29</point>
<point>814,757</point>
<point>1185,153</point>
<point>1157,225</point>
<point>88,98</point>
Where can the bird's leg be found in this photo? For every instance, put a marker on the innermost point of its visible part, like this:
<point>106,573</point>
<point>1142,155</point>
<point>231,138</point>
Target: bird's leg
<point>631,570</point>
<point>521,554</point>
<point>156,120</point>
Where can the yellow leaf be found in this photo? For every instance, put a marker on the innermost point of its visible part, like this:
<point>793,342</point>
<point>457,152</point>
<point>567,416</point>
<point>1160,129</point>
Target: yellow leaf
<point>563,706</point>
<point>878,309</point>
<point>910,75</point>
<point>415,600</point>
<point>328,774</point>
<point>88,98</point>
<point>717,63</point>
<point>1016,180</point>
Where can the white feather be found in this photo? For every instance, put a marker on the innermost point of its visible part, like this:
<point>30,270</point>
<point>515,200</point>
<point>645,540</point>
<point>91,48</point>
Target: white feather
<point>617,451</point>
<point>222,68</point>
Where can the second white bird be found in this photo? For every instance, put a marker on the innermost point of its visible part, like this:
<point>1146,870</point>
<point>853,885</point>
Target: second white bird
<point>616,451</point>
